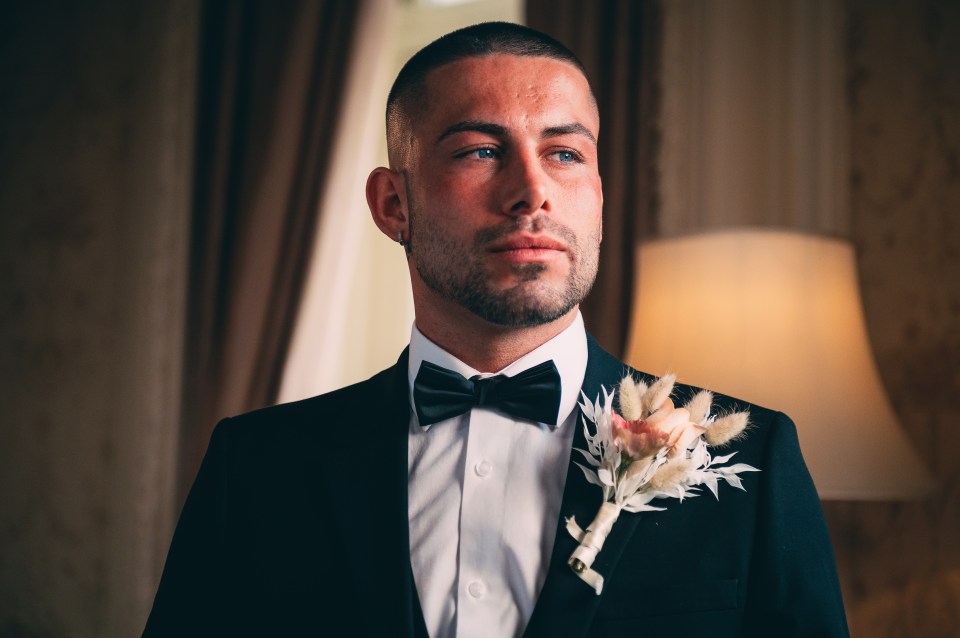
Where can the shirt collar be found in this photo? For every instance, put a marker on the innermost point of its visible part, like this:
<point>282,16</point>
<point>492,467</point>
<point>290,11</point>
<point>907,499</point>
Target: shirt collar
<point>568,350</point>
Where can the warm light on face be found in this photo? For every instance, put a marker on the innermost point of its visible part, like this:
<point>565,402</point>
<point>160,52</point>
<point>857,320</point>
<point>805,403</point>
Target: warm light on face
<point>503,191</point>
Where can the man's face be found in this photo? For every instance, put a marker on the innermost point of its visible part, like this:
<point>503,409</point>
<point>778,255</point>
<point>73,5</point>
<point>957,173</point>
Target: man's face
<point>503,189</point>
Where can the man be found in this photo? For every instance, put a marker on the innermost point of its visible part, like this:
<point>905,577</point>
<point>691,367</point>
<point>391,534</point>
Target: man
<point>376,511</point>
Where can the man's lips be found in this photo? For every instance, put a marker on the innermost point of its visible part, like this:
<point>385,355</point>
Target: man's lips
<point>525,248</point>
<point>526,243</point>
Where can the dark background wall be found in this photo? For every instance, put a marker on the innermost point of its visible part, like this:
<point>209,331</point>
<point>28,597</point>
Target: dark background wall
<point>900,563</point>
<point>96,102</point>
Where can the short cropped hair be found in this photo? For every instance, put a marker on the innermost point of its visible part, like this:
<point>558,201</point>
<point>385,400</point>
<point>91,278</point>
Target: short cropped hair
<point>479,40</point>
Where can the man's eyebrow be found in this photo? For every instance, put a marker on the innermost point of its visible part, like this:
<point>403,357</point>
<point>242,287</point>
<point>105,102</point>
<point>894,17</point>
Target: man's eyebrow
<point>474,126</point>
<point>496,130</point>
<point>576,128</point>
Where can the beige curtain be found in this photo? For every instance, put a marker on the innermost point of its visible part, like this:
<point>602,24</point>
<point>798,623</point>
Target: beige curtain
<point>616,40</point>
<point>271,75</point>
<point>357,307</point>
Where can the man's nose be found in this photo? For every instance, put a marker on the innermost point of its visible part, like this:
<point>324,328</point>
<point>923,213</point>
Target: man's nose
<point>526,186</point>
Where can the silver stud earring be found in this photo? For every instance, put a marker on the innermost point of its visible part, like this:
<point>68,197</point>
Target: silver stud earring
<point>400,238</point>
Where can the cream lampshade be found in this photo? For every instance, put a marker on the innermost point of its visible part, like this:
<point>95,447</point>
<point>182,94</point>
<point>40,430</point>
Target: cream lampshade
<point>775,318</point>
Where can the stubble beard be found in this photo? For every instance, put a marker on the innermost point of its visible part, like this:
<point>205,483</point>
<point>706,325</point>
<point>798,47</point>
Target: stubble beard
<point>457,272</point>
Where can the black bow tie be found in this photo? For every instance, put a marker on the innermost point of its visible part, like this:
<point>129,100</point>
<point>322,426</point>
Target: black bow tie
<point>533,394</point>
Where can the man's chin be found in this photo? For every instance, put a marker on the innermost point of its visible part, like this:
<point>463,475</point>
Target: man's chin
<point>531,277</point>
<point>522,308</point>
<point>521,298</point>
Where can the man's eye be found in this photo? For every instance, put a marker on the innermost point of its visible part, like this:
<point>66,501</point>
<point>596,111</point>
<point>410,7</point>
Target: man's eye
<point>566,157</point>
<point>481,153</point>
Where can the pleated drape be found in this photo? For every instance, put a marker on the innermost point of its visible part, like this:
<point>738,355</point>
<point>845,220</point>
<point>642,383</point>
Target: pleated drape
<point>270,80</point>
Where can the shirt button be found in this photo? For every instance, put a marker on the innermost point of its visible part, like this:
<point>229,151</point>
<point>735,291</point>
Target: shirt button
<point>476,589</point>
<point>483,468</point>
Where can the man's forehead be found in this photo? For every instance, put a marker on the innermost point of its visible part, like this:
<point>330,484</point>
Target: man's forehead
<point>483,87</point>
<point>503,67</point>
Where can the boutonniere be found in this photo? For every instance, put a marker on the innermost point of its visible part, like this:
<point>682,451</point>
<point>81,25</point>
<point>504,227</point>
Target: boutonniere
<point>651,450</point>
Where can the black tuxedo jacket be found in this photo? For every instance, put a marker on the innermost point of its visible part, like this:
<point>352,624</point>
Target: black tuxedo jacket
<point>297,526</point>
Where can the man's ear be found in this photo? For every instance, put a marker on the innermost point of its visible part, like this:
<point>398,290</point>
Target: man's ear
<point>387,199</point>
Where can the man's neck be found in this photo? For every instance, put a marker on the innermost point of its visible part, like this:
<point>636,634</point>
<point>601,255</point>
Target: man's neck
<point>487,347</point>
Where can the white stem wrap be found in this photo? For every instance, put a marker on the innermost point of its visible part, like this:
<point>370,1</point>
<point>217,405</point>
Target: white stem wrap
<point>591,542</point>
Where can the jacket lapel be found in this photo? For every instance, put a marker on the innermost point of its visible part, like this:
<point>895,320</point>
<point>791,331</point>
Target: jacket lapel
<point>567,605</point>
<point>398,419</point>
<point>385,400</point>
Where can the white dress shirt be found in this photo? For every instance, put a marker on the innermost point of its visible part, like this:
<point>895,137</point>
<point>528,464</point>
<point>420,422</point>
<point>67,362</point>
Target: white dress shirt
<point>485,493</point>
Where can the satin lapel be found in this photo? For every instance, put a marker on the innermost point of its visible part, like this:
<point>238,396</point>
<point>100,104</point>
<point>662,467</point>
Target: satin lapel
<point>384,400</point>
<point>399,419</point>
<point>398,416</point>
<point>567,605</point>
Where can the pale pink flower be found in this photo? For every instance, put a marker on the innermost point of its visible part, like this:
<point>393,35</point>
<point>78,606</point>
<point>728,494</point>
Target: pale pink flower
<point>665,427</point>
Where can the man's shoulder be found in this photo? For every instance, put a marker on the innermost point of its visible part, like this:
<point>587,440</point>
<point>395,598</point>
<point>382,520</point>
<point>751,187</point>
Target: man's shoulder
<point>612,370</point>
<point>361,402</point>
<point>762,420</point>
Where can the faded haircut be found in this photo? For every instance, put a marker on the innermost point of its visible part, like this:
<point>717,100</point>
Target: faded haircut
<point>407,95</point>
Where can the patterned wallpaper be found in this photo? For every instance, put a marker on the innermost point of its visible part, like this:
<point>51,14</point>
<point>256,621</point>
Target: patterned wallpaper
<point>900,563</point>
